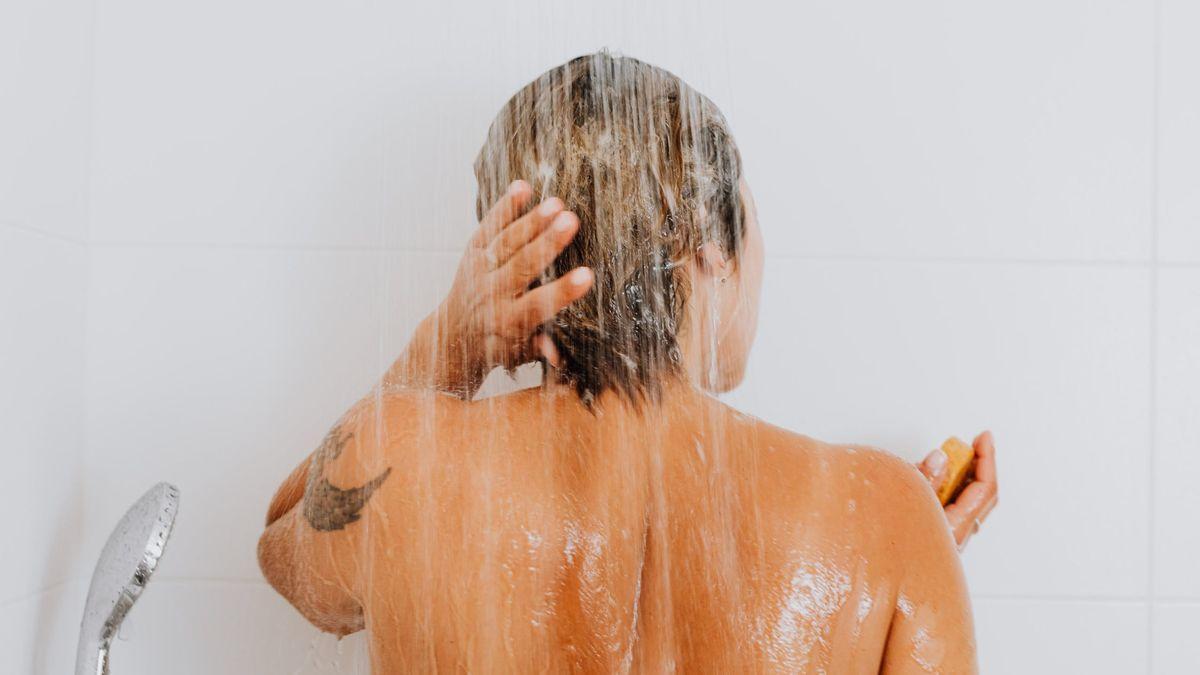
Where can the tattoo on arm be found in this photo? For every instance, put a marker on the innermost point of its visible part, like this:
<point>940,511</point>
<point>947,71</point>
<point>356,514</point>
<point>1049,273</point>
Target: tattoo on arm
<point>326,506</point>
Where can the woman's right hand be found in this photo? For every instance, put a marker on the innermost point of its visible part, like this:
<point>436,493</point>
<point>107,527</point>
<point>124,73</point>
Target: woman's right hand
<point>975,502</point>
<point>491,316</point>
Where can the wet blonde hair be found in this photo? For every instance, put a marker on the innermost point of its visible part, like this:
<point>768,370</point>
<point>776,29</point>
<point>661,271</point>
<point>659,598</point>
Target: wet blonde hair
<point>651,169</point>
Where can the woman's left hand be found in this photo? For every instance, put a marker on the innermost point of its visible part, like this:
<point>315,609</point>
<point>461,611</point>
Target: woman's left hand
<point>967,512</point>
<point>492,316</point>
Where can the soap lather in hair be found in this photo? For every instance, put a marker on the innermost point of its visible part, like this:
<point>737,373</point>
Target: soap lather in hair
<point>618,517</point>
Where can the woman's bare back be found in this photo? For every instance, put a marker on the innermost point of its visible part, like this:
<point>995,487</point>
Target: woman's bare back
<point>528,534</point>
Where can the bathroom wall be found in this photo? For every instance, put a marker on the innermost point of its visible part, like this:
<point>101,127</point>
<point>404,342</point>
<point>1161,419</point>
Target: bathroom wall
<point>45,88</point>
<point>976,216</point>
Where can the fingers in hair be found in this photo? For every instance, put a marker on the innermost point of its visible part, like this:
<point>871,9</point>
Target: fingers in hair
<point>524,230</point>
<point>532,259</point>
<point>506,208</point>
<point>542,303</point>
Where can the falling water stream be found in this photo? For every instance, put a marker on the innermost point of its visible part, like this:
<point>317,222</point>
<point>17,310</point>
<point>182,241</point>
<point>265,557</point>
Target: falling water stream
<point>615,516</point>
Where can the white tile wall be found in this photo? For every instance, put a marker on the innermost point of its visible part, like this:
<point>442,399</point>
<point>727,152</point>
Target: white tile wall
<point>346,123</point>
<point>1176,650</point>
<point>264,129</point>
<point>1179,132</point>
<point>45,119</point>
<point>1038,636</point>
<point>949,129</point>
<point>415,284</point>
<point>960,202</point>
<point>40,630</point>
<point>45,114</point>
<point>41,407</point>
<point>1176,507</point>
<point>41,401</point>
<point>1053,359</point>
<point>1177,499</point>
<point>219,369</point>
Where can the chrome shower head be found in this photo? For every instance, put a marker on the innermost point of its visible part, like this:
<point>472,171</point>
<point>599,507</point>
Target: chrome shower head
<point>123,570</point>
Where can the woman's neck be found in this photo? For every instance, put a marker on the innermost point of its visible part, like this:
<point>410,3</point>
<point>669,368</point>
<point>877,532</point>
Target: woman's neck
<point>677,394</point>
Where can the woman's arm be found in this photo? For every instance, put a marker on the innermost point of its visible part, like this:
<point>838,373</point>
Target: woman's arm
<point>290,493</point>
<point>310,554</point>
<point>932,630</point>
<point>491,316</point>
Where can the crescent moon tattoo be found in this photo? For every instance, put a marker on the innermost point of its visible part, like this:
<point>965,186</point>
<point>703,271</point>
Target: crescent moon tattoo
<point>328,507</point>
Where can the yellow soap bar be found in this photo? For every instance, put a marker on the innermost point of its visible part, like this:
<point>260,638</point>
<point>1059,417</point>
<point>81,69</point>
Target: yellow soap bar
<point>960,468</point>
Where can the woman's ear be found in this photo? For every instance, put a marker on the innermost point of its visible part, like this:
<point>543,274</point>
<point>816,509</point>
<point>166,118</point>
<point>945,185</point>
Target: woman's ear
<point>711,259</point>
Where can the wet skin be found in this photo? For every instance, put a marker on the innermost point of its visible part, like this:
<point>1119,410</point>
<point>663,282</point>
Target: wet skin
<point>527,533</point>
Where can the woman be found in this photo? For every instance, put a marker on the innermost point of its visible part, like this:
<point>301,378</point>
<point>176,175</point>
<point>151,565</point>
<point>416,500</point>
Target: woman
<point>618,517</point>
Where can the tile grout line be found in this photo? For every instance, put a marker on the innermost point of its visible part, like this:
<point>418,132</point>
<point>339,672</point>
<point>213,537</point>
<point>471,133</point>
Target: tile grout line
<point>849,259</point>
<point>1069,599</point>
<point>1156,59</point>
<point>1177,601</point>
<point>50,588</point>
<point>961,260</point>
<point>43,233</point>
<point>267,247</point>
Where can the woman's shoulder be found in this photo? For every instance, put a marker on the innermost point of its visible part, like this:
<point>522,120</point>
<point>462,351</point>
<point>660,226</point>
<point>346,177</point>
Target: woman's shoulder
<point>390,424</point>
<point>413,418</point>
<point>877,462</point>
<point>879,482</point>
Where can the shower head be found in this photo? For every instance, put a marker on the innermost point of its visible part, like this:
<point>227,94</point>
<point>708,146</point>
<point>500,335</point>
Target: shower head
<point>123,570</point>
